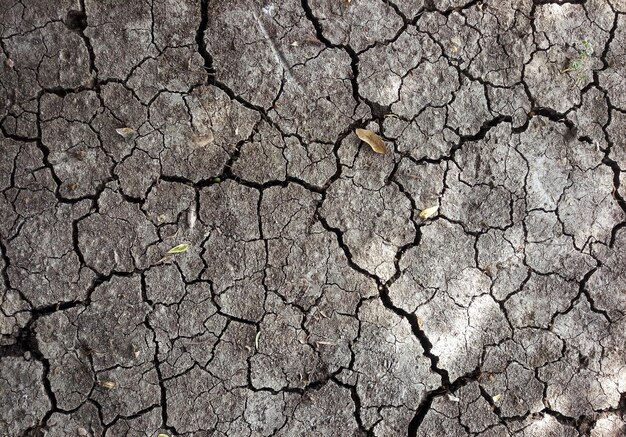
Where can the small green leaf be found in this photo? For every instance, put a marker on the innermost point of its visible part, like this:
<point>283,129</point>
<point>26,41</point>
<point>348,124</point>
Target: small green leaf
<point>163,435</point>
<point>217,180</point>
<point>179,249</point>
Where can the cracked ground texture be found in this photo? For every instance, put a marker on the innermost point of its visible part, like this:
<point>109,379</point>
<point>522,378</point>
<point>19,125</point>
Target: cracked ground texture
<point>313,298</point>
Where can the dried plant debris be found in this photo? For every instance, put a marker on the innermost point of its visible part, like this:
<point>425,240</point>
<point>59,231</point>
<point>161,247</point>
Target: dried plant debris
<point>128,133</point>
<point>179,249</point>
<point>374,141</point>
<point>453,398</point>
<point>427,213</point>
<point>202,140</point>
<point>106,384</point>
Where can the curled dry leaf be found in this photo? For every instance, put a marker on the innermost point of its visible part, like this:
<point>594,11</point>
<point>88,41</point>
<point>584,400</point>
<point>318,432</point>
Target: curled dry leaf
<point>374,141</point>
<point>128,133</point>
<point>428,212</point>
<point>497,397</point>
<point>106,384</point>
<point>256,340</point>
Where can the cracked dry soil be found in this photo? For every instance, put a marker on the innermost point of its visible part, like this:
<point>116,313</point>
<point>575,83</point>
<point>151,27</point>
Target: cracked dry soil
<point>313,300</point>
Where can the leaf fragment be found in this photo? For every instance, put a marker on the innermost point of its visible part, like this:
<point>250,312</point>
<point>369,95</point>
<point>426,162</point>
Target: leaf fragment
<point>497,397</point>
<point>128,133</point>
<point>453,398</point>
<point>428,212</point>
<point>256,340</point>
<point>202,140</point>
<point>163,435</point>
<point>106,384</point>
<point>326,343</point>
<point>179,249</point>
<point>373,140</point>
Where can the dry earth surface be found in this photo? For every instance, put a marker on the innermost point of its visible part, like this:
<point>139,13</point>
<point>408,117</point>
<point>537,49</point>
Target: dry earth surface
<point>313,299</point>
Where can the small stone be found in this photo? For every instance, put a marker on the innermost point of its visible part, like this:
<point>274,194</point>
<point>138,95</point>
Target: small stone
<point>82,432</point>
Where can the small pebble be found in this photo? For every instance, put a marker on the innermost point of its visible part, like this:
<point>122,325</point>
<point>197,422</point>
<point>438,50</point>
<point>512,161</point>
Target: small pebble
<point>82,432</point>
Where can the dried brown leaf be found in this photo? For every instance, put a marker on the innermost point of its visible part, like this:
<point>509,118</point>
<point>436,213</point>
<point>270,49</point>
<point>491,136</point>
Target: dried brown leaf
<point>106,384</point>
<point>374,141</point>
<point>128,133</point>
